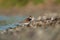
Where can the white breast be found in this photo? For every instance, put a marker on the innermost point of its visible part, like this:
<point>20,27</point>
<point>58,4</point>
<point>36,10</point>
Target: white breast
<point>32,19</point>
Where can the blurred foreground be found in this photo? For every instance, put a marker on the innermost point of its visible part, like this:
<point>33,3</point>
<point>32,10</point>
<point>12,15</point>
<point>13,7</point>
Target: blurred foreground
<point>27,33</point>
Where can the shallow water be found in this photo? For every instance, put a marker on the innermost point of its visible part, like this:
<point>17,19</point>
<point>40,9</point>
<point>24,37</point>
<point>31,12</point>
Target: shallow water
<point>10,21</point>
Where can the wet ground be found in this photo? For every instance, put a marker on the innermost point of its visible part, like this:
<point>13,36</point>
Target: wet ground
<point>28,33</point>
<point>12,21</point>
<point>31,33</point>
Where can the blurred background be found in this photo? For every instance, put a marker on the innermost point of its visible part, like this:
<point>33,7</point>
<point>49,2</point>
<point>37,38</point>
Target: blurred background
<point>14,11</point>
<point>28,7</point>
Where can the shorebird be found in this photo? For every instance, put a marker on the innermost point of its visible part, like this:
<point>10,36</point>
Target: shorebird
<point>30,18</point>
<point>27,21</point>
